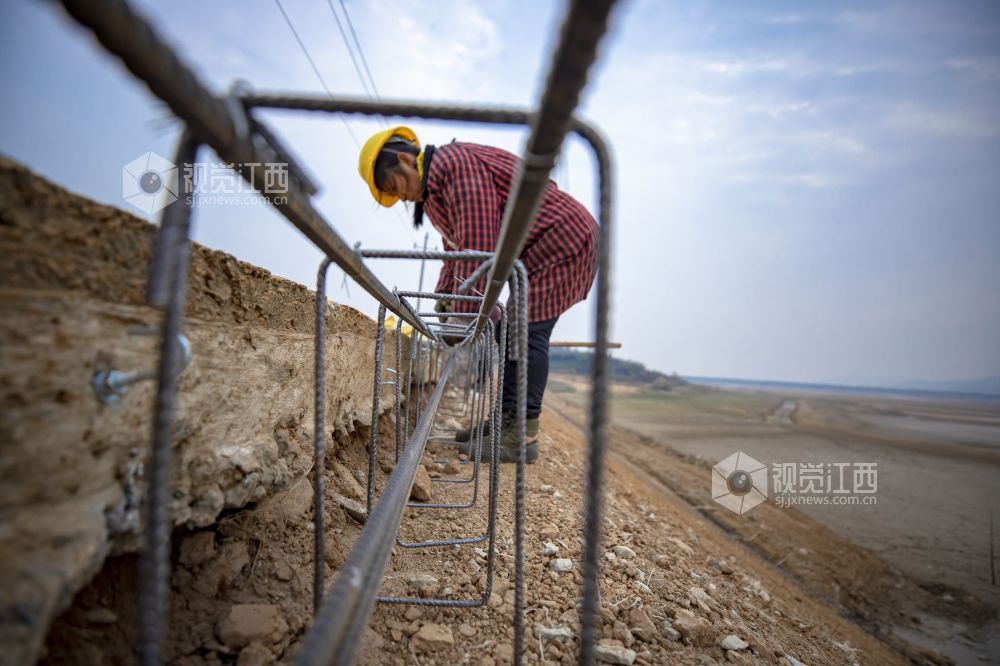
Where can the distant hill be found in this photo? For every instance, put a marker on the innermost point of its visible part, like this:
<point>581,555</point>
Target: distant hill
<point>984,386</point>
<point>579,363</point>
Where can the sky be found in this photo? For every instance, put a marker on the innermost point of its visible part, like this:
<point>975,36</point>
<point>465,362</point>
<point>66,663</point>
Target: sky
<point>803,191</point>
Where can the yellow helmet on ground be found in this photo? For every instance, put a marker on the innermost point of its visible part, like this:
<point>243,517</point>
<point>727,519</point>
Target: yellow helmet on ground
<point>369,154</point>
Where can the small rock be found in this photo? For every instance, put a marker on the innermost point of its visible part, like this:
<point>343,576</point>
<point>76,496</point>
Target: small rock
<point>641,626</point>
<point>100,616</point>
<point>734,657</point>
<point>198,548</point>
<point>546,488</point>
<point>688,550</point>
<point>549,532</point>
<point>721,565</point>
<point>354,509</point>
<point>247,623</point>
<point>557,495</point>
<point>466,630</point>
<point>624,552</point>
<point>642,587</point>
<point>560,564</point>
<point>413,613</point>
<point>553,633</point>
<point>452,467</point>
<point>610,557</point>
<point>696,629</point>
<point>733,642</point>
<point>422,487</point>
<point>463,457</point>
<point>622,633</point>
<point>433,637</point>
<point>548,549</point>
<point>614,654</point>
<point>669,632</point>
<point>700,596</point>
<point>345,483</point>
<point>284,572</point>
<point>480,552</point>
<point>255,654</point>
<point>425,584</point>
<point>360,477</point>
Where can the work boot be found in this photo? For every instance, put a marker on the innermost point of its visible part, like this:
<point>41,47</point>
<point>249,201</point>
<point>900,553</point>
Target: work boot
<point>466,435</point>
<point>508,445</point>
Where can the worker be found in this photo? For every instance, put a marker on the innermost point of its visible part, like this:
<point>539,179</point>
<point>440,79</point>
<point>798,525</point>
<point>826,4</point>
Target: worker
<point>463,188</point>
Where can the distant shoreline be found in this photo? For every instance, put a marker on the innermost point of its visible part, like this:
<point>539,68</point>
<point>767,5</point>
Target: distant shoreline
<point>728,382</point>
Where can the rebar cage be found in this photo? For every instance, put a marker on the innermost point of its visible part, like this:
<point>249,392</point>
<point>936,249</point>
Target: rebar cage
<point>227,123</point>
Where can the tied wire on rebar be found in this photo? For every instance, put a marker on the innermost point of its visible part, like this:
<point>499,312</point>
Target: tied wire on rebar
<point>228,125</point>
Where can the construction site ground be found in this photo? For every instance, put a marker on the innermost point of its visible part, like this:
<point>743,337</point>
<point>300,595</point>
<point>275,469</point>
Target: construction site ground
<point>674,585</point>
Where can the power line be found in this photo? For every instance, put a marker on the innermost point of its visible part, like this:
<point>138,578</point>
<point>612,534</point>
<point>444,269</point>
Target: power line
<point>329,93</point>
<point>371,90</point>
<point>350,51</point>
<point>316,70</point>
<point>361,51</point>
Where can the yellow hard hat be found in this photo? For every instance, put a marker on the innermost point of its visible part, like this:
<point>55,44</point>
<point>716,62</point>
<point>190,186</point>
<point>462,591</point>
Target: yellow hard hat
<point>369,153</point>
<point>390,325</point>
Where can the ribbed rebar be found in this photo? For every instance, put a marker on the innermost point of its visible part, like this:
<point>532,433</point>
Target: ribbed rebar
<point>376,399</point>
<point>519,285</point>
<point>599,399</point>
<point>154,560</point>
<point>319,437</point>
<point>339,625</point>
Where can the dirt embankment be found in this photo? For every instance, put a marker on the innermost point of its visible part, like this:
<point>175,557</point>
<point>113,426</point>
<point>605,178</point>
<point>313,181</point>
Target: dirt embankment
<point>72,282</point>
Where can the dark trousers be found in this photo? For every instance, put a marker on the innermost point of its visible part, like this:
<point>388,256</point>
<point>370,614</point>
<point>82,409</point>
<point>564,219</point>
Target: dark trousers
<point>538,367</point>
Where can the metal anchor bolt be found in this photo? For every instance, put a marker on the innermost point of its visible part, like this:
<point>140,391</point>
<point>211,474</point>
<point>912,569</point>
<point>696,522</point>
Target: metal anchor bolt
<point>110,385</point>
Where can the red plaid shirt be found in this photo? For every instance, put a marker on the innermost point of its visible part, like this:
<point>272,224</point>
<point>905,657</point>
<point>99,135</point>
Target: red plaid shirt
<point>467,190</point>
